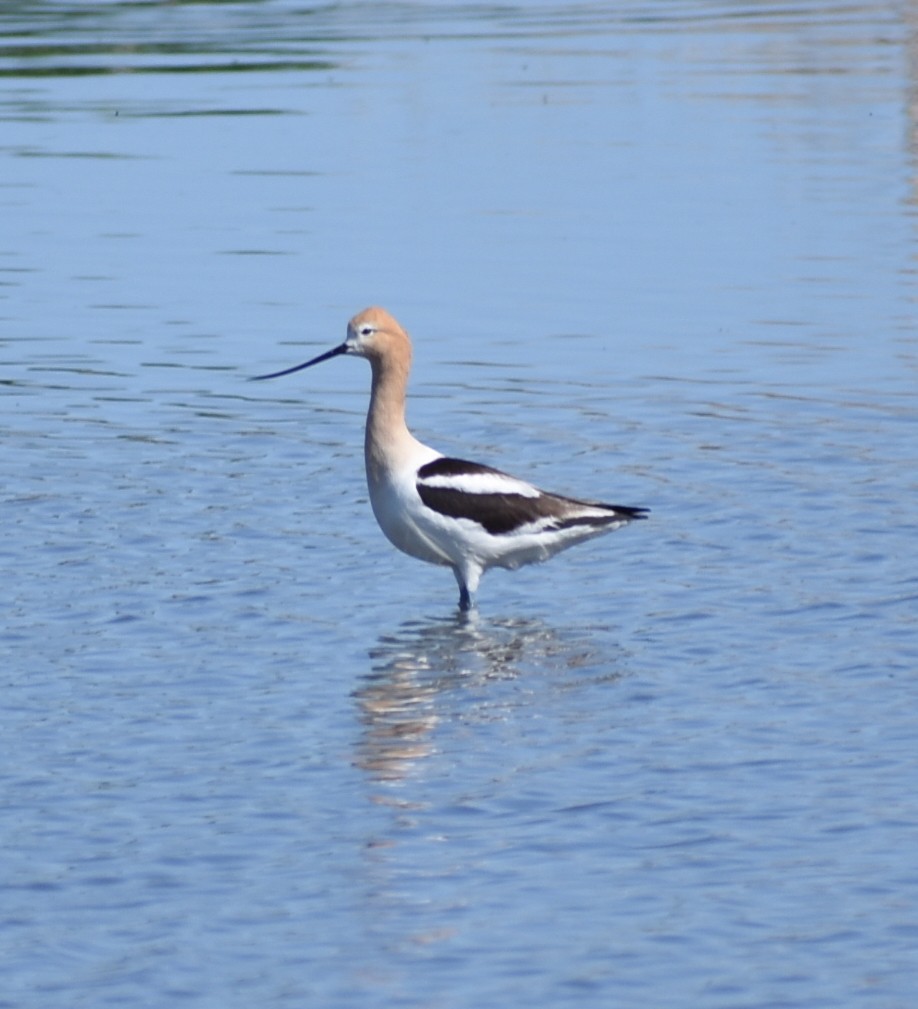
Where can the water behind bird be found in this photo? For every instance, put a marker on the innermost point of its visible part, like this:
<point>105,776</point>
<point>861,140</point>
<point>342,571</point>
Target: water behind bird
<point>651,255</point>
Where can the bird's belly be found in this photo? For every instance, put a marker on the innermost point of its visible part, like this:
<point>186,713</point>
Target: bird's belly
<point>397,520</point>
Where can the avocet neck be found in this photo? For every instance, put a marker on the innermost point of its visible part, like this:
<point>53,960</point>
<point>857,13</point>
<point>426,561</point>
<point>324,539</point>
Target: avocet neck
<point>388,444</point>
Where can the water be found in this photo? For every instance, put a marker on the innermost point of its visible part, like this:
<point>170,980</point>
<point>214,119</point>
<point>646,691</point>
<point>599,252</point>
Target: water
<point>660,253</point>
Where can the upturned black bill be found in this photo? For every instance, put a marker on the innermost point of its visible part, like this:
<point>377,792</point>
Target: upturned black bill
<point>308,364</point>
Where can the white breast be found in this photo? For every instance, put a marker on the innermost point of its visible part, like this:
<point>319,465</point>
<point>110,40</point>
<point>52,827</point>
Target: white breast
<point>399,509</point>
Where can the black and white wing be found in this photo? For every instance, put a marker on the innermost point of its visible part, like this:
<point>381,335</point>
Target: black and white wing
<point>503,505</point>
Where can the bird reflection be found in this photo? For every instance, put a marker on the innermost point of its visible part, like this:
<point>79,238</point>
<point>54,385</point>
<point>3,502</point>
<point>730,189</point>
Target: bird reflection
<point>401,698</point>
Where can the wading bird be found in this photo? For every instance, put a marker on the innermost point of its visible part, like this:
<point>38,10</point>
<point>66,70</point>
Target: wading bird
<point>447,511</point>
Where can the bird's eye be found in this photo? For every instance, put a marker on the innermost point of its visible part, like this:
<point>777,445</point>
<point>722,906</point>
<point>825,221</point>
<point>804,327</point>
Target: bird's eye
<point>366,330</point>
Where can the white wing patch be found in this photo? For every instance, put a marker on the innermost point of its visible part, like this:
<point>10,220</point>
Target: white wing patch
<point>482,482</point>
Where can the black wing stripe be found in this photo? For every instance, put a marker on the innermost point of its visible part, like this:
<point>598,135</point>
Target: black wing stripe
<point>445,466</point>
<point>497,513</point>
<point>501,514</point>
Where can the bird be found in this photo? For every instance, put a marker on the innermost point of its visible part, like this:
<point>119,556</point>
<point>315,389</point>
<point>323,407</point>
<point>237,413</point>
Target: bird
<point>459,514</point>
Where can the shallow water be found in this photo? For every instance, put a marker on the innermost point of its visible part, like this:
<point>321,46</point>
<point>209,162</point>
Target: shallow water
<point>662,254</point>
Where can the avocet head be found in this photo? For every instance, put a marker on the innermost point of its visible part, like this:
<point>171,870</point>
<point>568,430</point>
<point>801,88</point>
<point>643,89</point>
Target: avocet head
<point>372,333</point>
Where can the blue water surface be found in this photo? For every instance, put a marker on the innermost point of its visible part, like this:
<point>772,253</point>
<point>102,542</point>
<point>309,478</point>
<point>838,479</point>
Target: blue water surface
<point>656,253</point>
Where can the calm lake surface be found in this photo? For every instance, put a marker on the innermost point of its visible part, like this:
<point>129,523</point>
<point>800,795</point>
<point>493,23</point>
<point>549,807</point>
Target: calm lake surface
<point>661,253</point>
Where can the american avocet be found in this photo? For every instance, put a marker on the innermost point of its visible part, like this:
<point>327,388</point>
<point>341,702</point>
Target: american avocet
<point>447,511</point>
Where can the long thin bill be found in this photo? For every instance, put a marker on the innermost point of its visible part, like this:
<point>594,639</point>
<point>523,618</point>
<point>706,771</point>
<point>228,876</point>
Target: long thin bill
<point>299,367</point>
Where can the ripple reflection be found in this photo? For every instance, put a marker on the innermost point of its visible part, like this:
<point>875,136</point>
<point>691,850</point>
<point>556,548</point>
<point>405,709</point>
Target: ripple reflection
<point>401,699</point>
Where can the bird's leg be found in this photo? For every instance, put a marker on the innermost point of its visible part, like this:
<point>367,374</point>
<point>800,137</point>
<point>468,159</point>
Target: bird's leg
<point>467,576</point>
<point>465,597</point>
